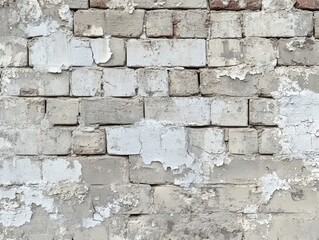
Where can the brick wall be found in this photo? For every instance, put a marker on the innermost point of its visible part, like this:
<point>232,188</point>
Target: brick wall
<point>159,119</point>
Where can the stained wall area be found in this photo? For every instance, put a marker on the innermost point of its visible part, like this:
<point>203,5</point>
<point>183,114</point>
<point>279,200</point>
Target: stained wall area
<point>159,119</point>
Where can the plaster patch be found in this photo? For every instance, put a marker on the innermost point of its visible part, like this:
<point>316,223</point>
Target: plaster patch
<point>101,50</point>
<point>270,183</point>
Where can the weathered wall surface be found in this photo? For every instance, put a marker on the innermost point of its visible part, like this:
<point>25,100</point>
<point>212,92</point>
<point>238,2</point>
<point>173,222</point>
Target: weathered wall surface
<point>159,119</point>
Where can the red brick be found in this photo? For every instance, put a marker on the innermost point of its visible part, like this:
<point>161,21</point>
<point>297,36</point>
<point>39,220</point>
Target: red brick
<point>308,4</point>
<point>235,5</point>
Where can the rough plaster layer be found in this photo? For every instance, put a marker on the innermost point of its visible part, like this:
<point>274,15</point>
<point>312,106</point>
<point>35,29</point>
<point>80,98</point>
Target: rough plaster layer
<point>167,119</point>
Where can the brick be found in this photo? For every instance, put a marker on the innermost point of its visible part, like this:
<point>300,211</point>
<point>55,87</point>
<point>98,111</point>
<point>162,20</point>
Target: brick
<point>89,143</point>
<point>89,23</point>
<point>186,4</point>
<point>65,52</point>
<point>230,52</point>
<point>243,141</point>
<point>263,111</point>
<point>118,57</point>
<point>105,170</point>
<point>216,82</point>
<point>190,24</point>
<point>153,173</point>
<point>111,111</point>
<point>101,50</point>
<point>14,52</point>
<point>316,23</point>
<point>60,111</point>
<point>56,141</point>
<point>20,111</point>
<point>293,226</point>
<point>235,5</point>
<point>269,141</point>
<point>57,170</point>
<point>151,140</point>
<point>298,52</point>
<point>176,200</point>
<point>276,5</point>
<point>307,4</point>
<point>77,4</point>
<point>128,199</point>
<point>20,170</point>
<point>28,141</point>
<point>188,111</point>
<point>294,24</point>
<point>159,23</point>
<point>152,82</point>
<point>216,225</point>
<point>27,82</point>
<point>205,143</point>
<point>224,52</point>
<point>229,112</point>
<point>229,22</point>
<point>124,24</point>
<point>294,200</point>
<point>86,82</point>
<point>123,141</point>
<point>183,83</point>
<point>249,169</point>
<point>119,82</point>
<point>166,52</point>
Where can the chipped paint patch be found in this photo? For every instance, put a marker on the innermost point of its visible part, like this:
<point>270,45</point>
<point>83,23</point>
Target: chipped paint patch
<point>270,183</point>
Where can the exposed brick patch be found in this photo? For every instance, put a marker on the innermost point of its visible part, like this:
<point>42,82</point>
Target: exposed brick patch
<point>98,3</point>
<point>307,4</point>
<point>235,5</point>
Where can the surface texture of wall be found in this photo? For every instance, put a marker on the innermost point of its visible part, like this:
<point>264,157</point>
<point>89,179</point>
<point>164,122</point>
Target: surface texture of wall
<point>159,119</point>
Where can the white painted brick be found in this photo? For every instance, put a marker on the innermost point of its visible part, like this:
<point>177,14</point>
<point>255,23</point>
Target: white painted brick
<point>123,141</point>
<point>20,171</point>
<point>152,82</point>
<point>292,24</point>
<point>153,141</point>
<point>58,51</point>
<point>166,52</point>
<point>59,170</point>
<point>225,25</point>
<point>27,82</point>
<point>13,52</point>
<point>86,82</point>
<point>189,111</point>
<point>119,82</point>
<point>243,141</point>
<point>229,112</point>
<point>63,111</point>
